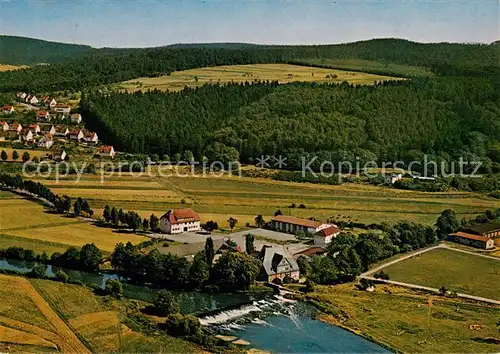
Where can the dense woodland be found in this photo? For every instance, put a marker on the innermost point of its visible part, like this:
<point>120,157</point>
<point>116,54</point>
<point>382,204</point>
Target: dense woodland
<point>93,67</point>
<point>446,118</point>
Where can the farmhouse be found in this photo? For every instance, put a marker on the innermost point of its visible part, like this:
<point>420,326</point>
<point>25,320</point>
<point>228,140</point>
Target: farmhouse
<point>489,230</point>
<point>323,237</point>
<point>107,151</point>
<point>180,220</point>
<point>292,225</point>
<point>35,128</point>
<point>76,118</point>
<point>16,127</point>
<point>42,115</point>
<point>4,126</point>
<point>472,240</point>
<point>63,109</point>
<point>277,263</point>
<point>46,141</point>
<point>76,134</point>
<point>48,129</point>
<point>91,138</point>
<point>7,109</point>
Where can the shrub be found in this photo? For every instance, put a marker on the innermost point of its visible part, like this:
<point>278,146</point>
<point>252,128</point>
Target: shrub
<point>114,288</point>
<point>180,325</point>
<point>165,304</point>
<point>62,276</point>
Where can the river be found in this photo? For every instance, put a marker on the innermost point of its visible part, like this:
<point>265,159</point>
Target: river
<point>273,324</point>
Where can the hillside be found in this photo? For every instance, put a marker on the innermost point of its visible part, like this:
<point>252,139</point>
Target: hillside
<point>30,51</point>
<point>108,65</point>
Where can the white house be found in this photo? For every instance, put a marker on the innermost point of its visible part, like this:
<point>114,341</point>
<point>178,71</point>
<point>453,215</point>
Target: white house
<point>7,109</point>
<point>180,220</point>
<point>63,109</point>
<point>62,131</point>
<point>91,138</point>
<point>46,141</point>
<point>393,178</point>
<point>76,134</point>
<point>49,102</point>
<point>59,155</point>
<point>48,129</point>
<point>107,151</point>
<point>4,126</point>
<point>277,262</point>
<point>323,237</point>
<point>22,95</point>
<point>76,118</point>
<point>27,135</point>
<point>31,99</point>
<point>35,128</point>
<point>16,127</point>
<point>292,225</point>
<point>42,115</point>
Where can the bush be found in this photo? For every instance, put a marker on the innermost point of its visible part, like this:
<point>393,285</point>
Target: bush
<point>180,325</point>
<point>287,279</point>
<point>62,276</point>
<point>38,271</point>
<point>381,275</point>
<point>165,304</point>
<point>114,288</point>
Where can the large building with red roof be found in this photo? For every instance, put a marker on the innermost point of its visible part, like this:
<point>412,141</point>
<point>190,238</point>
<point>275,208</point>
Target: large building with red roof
<point>180,220</point>
<point>323,233</point>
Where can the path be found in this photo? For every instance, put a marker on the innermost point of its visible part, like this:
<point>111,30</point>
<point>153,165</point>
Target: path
<point>366,275</point>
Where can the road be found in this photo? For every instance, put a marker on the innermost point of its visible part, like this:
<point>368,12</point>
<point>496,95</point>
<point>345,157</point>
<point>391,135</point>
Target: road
<point>367,275</point>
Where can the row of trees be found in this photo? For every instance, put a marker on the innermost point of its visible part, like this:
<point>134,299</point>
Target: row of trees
<point>233,271</point>
<point>133,220</point>
<point>15,155</point>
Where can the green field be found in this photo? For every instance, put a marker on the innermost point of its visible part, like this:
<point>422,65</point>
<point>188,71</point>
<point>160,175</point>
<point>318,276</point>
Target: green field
<point>457,271</point>
<point>409,321</point>
<point>283,73</point>
<point>369,66</point>
<point>244,198</point>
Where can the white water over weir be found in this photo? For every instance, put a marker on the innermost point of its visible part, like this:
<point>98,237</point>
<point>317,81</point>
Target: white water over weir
<point>274,304</point>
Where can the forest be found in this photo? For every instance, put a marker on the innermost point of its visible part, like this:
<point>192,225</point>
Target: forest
<point>445,118</point>
<point>94,67</point>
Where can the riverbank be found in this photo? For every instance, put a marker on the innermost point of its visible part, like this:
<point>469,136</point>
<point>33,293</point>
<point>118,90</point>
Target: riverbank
<point>404,320</point>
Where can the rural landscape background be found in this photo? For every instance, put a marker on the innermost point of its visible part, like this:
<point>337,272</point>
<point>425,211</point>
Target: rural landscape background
<point>380,121</point>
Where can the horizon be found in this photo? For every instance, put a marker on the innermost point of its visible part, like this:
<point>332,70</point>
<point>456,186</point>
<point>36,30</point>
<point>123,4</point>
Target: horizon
<point>99,24</point>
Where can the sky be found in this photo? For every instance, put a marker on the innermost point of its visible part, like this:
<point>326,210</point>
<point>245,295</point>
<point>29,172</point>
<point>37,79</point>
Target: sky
<point>147,23</point>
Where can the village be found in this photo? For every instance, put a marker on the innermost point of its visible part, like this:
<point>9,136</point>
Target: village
<point>45,124</point>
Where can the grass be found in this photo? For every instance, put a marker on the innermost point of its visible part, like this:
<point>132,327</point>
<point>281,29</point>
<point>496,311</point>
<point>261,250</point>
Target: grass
<point>457,271</point>
<point>283,73</point>
<point>243,198</point>
<point>98,321</point>
<point>372,66</point>
<point>26,222</point>
<point>25,311</point>
<point>409,321</point>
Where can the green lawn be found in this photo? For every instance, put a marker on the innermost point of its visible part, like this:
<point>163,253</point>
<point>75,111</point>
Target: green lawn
<point>458,271</point>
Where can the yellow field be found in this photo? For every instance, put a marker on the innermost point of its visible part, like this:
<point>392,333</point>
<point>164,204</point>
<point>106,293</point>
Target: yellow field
<point>22,304</point>
<point>283,73</point>
<point>98,321</point>
<point>24,219</point>
<point>8,67</point>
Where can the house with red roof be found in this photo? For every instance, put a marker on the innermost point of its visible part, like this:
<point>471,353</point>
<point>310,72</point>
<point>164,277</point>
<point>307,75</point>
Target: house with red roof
<point>48,101</point>
<point>293,225</point>
<point>324,236</point>
<point>35,128</point>
<point>7,109</point>
<point>107,151</point>
<point>4,126</point>
<point>16,127</point>
<point>180,220</point>
<point>472,240</point>
<point>63,109</point>
<point>31,99</point>
<point>46,141</point>
<point>91,138</point>
<point>76,118</point>
<point>42,115</point>
<point>76,134</point>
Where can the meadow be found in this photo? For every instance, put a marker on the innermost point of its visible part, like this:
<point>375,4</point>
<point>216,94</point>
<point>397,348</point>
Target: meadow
<point>8,67</point>
<point>283,73</point>
<point>457,271</point>
<point>25,223</point>
<point>409,321</point>
<point>218,198</point>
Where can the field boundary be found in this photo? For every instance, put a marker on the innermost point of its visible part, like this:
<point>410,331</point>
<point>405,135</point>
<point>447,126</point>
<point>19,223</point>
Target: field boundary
<point>367,274</point>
